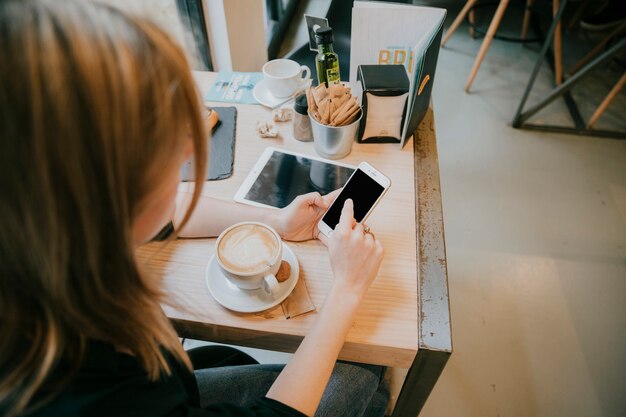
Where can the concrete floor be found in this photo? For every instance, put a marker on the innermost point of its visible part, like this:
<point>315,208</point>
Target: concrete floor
<point>536,244</point>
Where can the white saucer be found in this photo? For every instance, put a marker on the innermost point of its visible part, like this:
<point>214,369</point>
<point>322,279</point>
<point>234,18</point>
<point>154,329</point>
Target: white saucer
<point>262,94</point>
<point>250,301</point>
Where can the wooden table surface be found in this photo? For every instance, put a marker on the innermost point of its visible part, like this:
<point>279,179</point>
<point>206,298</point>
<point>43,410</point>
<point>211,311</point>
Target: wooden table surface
<point>385,329</point>
<point>405,319</point>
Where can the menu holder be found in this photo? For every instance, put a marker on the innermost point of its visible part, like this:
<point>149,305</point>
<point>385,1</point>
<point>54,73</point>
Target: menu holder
<point>390,33</point>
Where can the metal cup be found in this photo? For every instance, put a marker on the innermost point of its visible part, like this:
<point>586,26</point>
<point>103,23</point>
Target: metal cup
<point>334,142</point>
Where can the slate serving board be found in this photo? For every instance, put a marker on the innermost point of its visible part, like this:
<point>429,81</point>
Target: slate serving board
<point>221,148</point>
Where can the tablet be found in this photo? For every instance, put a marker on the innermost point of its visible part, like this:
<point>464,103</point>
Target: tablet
<point>279,176</point>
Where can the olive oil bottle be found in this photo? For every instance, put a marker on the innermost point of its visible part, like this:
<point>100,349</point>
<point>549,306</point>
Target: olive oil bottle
<point>326,61</point>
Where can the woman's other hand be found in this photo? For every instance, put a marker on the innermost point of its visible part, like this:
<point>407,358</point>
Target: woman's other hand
<point>298,221</point>
<point>355,256</point>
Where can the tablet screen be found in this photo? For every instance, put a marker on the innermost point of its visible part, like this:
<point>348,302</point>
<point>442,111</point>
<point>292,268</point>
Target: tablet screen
<point>286,176</point>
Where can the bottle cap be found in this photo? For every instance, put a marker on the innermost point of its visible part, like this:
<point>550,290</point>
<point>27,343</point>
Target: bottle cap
<point>324,35</point>
<point>301,106</point>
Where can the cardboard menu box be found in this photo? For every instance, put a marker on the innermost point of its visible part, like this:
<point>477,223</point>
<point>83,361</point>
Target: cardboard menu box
<point>390,33</point>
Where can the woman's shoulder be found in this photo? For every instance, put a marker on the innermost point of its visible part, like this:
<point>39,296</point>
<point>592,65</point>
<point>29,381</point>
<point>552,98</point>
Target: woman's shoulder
<point>111,383</point>
<point>108,381</point>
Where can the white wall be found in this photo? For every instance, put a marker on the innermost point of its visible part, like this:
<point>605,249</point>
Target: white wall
<point>237,34</point>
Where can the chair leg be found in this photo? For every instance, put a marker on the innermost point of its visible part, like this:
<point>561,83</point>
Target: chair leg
<point>458,20</point>
<point>526,21</point>
<point>575,19</point>
<point>598,48</point>
<point>472,20</point>
<point>607,100</point>
<point>558,51</point>
<point>493,27</point>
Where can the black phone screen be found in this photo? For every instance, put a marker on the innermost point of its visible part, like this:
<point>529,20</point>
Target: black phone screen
<point>363,191</point>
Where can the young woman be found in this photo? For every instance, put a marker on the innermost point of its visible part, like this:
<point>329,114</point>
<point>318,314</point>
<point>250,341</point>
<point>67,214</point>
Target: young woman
<point>98,111</point>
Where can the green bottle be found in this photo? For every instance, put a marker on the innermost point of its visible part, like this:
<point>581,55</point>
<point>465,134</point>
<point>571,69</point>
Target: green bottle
<point>326,61</point>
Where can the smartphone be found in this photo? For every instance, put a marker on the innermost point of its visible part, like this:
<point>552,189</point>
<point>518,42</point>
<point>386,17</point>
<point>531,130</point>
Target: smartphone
<point>365,187</point>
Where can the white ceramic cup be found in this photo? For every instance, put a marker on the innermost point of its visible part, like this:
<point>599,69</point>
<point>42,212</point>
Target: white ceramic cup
<point>284,77</point>
<point>250,278</point>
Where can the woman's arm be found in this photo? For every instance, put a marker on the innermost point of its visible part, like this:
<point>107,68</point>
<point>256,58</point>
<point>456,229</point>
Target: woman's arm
<point>211,216</point>
<point>296,222</point>
<point>355,258</point>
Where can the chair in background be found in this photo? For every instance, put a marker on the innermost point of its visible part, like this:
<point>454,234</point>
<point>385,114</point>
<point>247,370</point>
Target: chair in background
<point>607,100</point>
<point>523,114</point>
<point>601,46</point>
<point>493,28</point>
<point>613,36</point>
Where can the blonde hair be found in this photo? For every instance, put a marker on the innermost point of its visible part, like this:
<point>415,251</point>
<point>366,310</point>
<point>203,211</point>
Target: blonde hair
<point>94,107</point>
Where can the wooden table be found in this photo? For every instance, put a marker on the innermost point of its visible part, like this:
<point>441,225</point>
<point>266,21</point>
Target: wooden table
<point>404,320</point>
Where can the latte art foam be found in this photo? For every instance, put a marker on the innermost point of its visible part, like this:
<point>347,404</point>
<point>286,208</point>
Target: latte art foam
<point>248,248</point>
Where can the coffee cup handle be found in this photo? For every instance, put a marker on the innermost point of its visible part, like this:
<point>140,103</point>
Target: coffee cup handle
<point>306,73</point>
<point>270,284</point>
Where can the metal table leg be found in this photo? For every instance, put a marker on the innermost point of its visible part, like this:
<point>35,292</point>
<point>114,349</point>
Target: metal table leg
<point>434,333</point>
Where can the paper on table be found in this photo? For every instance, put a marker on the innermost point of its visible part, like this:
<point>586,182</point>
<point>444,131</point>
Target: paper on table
<point>234,87</point>
<point>298,302</point>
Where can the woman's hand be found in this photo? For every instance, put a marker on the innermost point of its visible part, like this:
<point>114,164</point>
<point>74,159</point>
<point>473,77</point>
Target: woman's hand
<point>298,221</point>
<point>355,256</point>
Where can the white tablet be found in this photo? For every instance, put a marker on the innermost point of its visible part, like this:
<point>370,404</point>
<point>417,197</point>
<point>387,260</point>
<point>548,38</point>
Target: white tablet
<point>279,176</point>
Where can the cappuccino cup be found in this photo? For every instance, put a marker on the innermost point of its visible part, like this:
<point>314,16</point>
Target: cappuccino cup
<point>284,77</point>
<point>249,254</point>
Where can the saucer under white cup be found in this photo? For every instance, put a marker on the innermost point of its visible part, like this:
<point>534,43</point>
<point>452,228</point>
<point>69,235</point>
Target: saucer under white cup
<point>250,301</point>
<point>262,94</point>
<point>282,79</point>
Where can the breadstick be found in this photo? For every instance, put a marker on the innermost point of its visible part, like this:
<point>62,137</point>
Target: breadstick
<point>337,90</point>
<point>310,101</point>
<point>321,89</point>
<point>343,101</point>
<point>344,98</point>
<point>342,119</point>
<point>332,107</point>
<point>322,105</point>
<point>319,93</point>
<point>326,114</point>
<point>352,118</point>
<point>347,108</point>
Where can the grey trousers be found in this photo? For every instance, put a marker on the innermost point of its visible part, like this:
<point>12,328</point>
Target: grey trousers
<point>353,389</point>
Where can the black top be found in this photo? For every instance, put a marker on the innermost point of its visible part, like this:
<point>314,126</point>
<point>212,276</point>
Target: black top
<point>110,383</point>
<point>391,78</point>
<point>324,36</point>
<point>301,105</point>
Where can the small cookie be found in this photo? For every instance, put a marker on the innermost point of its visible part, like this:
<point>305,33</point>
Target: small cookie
<point>266,130</point>
<point>284,272</point>
<point>282,115</point>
